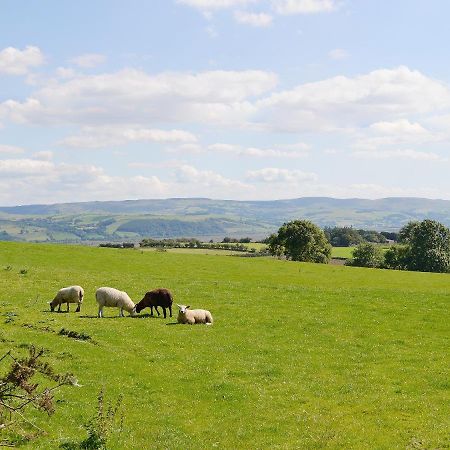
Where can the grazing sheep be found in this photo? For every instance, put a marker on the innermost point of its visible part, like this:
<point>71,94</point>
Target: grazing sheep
<point>192,316</point>
<point>71,294</point>
<point>153,299</point>
<point>108,296</point>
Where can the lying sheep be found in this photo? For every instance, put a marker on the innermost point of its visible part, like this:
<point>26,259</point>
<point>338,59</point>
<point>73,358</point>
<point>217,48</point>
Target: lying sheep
<point>71,294</point>
<point>158,297</point>
<point>192,316</point>
<point>108,296</point>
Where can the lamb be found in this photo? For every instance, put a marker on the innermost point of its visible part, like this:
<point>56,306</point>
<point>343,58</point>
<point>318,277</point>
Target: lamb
<point>194,315</point>
<point>108,296</point>
<point>157,297</point>
<point>71,294</point>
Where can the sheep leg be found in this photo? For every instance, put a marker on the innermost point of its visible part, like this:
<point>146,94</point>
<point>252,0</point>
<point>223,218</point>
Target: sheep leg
<point>100,311</point>
<point>151,310</point>
<point>78,307</point>
<point>59,307</point>
<point>164,310</point>
<point>68,309</point>
<point>170,310</point>
<point>121,313</point>
<point>157,310</point>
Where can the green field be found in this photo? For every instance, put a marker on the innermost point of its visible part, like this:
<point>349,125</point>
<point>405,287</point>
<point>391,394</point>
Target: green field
<point>300,355</point>
<point>342,252</point>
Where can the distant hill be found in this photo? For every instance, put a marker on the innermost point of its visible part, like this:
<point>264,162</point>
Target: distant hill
<point>205,218</point>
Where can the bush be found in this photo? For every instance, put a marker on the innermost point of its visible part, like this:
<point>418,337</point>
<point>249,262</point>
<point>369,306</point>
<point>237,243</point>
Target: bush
<point>367,255</point>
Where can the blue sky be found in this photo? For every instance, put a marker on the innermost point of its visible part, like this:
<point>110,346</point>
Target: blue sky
<point>232,99</point>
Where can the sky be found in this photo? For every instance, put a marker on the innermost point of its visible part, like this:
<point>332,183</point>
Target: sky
<point>224,99</point>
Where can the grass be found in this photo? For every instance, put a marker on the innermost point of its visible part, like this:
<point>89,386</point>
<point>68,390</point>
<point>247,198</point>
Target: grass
<point>342,252</point>
<point>300,355</point>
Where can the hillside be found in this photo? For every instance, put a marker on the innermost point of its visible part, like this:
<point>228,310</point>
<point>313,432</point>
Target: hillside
<point>340,358</point>
<point>205,218</point>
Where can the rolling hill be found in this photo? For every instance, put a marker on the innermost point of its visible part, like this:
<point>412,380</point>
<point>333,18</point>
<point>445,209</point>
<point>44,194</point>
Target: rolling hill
<point>205,218</point>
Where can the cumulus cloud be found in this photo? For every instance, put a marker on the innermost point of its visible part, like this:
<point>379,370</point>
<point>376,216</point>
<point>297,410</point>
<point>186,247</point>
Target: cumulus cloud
<point>211,5</point>
<point>398,154</point>
<point>26,181</point>
<point>253,19</point>
<point>276,175</point>
<point>11,149</point>
<point>304,6</point>
<point>18,62</point>
<point>107,136</point>
<point>401,126</point>
<point>133,96</point>
<point>341,102</point>
<point>297,151</point>
<point>15,167</point>
<point>88,60</point>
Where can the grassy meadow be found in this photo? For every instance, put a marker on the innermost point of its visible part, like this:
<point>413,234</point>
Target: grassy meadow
<point>300,355</point>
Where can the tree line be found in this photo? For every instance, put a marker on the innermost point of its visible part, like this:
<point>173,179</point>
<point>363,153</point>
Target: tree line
<point>422,246</point>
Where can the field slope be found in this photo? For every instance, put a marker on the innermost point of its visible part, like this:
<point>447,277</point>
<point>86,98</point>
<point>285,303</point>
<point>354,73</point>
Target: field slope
<point>300,355</point>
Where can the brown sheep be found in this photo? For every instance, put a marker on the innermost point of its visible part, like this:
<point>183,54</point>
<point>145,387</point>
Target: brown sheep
<point>158,297</point>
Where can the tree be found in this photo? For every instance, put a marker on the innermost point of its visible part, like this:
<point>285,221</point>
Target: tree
<point>367,254</point>
<point>300,240</point>
<point>397,257</point>
<point>342,236</point>
<point>428,244</point>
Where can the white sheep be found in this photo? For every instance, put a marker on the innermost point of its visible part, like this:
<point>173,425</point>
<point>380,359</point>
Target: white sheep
<point>71,294</point>
<point>192,316</point>
<point>108,296</point>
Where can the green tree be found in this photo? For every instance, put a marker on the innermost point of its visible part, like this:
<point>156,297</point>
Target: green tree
<point>300,240</point>
<point>342,236</point>
<point>429,246</point>
<point>367,254</point>
<point>397,257</point>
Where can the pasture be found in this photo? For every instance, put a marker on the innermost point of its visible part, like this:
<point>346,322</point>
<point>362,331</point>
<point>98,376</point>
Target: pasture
<point>300,355</point>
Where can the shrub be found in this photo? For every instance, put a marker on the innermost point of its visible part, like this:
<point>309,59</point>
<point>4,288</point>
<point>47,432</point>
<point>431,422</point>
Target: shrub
<point>367,255</point>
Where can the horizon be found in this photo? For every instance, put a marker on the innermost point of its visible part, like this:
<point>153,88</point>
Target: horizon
<point>225,200</point>
<point>246,100</point>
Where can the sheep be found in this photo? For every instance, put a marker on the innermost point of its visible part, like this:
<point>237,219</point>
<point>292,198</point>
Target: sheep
<point>194,315</point>
<point>108,296</point>
<point>71,294</point>
<point>157,297</point>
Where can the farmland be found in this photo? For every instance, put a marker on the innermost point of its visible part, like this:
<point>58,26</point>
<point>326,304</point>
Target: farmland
<point>300,355</point>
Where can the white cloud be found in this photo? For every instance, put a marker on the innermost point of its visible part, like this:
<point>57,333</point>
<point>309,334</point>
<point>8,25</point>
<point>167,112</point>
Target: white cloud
<point>304,6</point>
<point>338,54</point>
<point>98,137</point>
<point>14,167</point>
<point>205,178</point>
<point>88,60</point>
<point>343,103</point>
<point>18,62</point>
<point>253,19</point>
<point>211,5</point>
<point>27,181</point>
<point>45,155</point>
<point>133,96</point>
<point>275,175</point>
<point>11,149</point>
<point>398,127</point>
<point>299,151</point>
<point>399,154</point>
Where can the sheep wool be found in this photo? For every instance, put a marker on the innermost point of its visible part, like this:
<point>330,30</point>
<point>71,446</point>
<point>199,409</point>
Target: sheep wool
<point>192,316</point>
<point>71,294</point>
<point>110,297</point>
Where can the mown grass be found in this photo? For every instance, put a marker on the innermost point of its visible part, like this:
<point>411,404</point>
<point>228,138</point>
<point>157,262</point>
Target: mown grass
<point>300,355</point>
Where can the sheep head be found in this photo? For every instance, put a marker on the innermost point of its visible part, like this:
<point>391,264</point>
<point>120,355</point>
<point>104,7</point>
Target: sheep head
<point>183,308</point>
